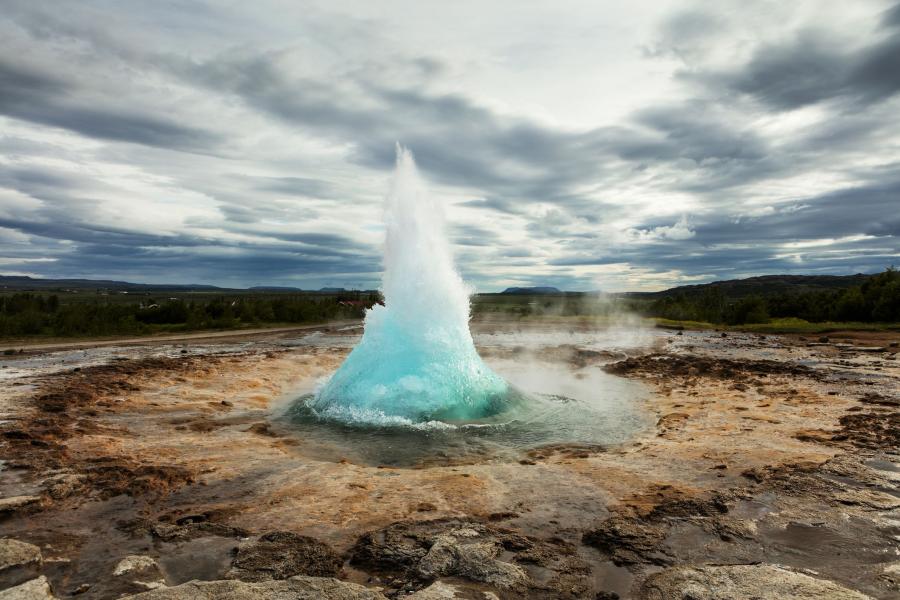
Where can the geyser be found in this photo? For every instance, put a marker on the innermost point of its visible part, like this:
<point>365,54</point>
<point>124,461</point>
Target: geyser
<point>416,361</point>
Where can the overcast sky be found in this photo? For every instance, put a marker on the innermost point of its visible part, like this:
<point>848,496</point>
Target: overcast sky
<point>589,145</point>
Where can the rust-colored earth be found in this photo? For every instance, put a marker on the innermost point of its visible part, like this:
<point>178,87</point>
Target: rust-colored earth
<point>767,450</point>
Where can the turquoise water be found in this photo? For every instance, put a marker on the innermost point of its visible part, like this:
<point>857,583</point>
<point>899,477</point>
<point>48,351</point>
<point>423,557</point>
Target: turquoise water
<point>415,391</point>
<point>547,403</point>
<point>416,361</point>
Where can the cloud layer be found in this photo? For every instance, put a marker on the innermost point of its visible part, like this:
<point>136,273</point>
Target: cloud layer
<point>599,147</point>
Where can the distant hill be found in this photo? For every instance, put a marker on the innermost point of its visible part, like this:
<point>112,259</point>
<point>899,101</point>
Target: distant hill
<point>20,282</point>
<point>735,288</point>
<point>531,290</point>
<point>766,285</point>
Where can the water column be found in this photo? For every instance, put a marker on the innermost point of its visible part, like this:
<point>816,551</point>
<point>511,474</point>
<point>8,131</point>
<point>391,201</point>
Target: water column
<point>416,360</point>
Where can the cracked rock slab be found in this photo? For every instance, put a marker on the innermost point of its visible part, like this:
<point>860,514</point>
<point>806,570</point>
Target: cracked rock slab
<point>36,589</point>
<point>14,553</point>
<point>14,503</point>
<point>414,554</point>
<point>296,588</point>
<point>739,582</point>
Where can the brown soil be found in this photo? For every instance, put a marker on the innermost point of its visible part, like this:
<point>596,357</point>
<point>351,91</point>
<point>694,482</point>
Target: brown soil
<point>765,450</point>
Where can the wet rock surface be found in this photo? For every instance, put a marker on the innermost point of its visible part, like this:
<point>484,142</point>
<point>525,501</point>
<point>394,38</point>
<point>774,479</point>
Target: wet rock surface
<point>674,365</point>
<point>772,460</point>
<point>19,562</point>
<point>413,554</point>
<point>35,589</point>
<point>282,554</point>
<point>297,588</point>
<point>741,582</point>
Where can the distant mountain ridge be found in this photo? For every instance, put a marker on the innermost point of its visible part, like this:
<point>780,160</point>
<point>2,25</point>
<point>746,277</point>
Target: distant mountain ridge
<point>23,282</point>
<point>764,285</point>
<point>532,290</point>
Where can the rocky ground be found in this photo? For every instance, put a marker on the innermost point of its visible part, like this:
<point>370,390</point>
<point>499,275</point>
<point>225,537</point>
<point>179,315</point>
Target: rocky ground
<point>158,472</point>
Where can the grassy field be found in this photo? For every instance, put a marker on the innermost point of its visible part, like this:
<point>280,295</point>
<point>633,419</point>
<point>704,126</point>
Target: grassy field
<point>105,315</point>
<point>34,316</point>
<point>786,325</point>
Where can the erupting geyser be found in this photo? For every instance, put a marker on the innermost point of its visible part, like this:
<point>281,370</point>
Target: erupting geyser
<point>416,360</point>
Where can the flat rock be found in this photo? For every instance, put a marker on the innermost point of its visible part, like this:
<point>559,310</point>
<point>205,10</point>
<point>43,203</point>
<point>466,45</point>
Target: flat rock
<point>295,588</point>
<point>14,503</point>
<point>628,541</point>
<point>739,582</point>
<point>14,553</point>
<point>36,589</point>
<point>443,591</point>
<point>135,564</point>
<point>436,591</point>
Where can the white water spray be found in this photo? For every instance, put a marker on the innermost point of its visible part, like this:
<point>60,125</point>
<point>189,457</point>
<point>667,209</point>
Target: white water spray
<point>416,361</point>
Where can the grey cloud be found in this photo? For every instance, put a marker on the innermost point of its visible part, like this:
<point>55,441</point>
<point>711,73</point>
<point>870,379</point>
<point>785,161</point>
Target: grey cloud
<point>813,67</point>
<point>891,17</point>
<point>704,143</point>
<point>48,100</point>
<point>472,235</point>
<point>298,186</point>
<point>732,247</point>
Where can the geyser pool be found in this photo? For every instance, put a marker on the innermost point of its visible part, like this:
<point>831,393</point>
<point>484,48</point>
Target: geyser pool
<point>416,361</point>
<point>414,390</point>
<point>560,404</point>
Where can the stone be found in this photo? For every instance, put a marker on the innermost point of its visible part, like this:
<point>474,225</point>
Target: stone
<point>283,554</point>
<point>444,591</point>
<point>36,589</point>
<point>739,582</point>
<point>412,554</point>
<point>628,541</point>
<point>14,503</point>
<point>135,564</point>
<point>295,588</point>
<point>14,553</point>
<point>436,591</point>
<point>63,486</point>
<point>464,553</point>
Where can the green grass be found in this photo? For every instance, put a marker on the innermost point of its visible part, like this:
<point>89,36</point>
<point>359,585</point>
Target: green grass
<point>786,325</point>
<point>676,324</point>
<point>794,325</point>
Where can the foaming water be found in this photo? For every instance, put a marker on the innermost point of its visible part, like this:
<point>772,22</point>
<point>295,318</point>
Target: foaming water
<point>548,403</point>
<point>414,390</point>
<point>416,361</point>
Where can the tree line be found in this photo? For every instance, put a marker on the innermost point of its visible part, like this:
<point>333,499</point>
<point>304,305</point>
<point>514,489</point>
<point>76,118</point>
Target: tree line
<point>29,314</point>
<point>875,300</point>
